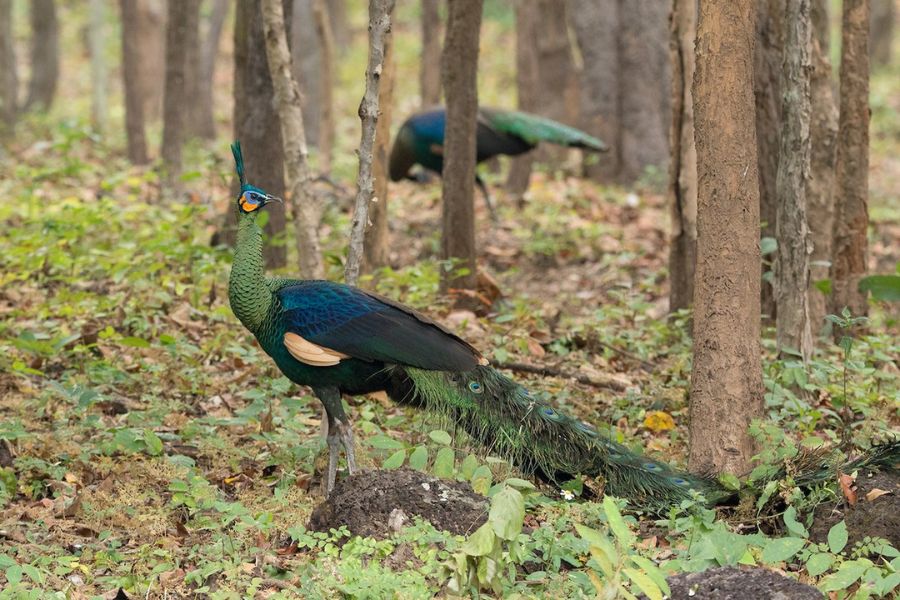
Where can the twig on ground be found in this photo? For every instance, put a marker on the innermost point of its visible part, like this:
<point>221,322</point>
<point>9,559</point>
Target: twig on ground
<point>549,371</point>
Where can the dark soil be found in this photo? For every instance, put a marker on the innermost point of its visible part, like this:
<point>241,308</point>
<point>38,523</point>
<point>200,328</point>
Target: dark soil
<point>732,583</point>
<point>380,503</point>
<point>879,517</point>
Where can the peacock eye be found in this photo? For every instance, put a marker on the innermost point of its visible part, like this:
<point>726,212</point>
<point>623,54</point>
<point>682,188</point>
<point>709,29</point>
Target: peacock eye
<point>476,387</point>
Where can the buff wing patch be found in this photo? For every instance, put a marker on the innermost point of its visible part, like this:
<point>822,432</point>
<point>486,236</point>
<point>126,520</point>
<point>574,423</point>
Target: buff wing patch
<point>311,354</point>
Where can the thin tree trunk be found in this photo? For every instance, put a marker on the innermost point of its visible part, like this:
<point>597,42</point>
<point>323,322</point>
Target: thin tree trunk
<point>379,40</point>
<point>526,88</point>
<point>306,55</point>
<point>44,55</point>
<point>327,68</point>
<point>203,124</point>
<point>767,89</point>
<point>304,204</point>
<point>726,383</point>
<point>96,41</point>
<point>131,65</point>
<point>9,81</point>
<point>340,25</point>
<point>882,23</point>
<point>683,169</point>
<point>150,41</point>
<point>377,235</point>
<point>459,69</point>
<point>852,178</point>
<point>793,330</point>
<point>182,24</point>
<point>430,67</point>
<point>256,123</point>
<point>557,81</point>
<point>820,185</point>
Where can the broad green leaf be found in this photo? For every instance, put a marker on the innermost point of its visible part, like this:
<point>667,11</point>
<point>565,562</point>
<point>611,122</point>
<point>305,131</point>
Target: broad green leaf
<point>481,480</point>
<point>467,467</point>
<point>383,442</point>
<point>819,563</point>
<point>837,537</point>
<point>882,287</point>
<point>647,585</point>
<point>793,525</point>
<point>768,245</point>
<point>844,577</point>
<point>616,522</point>
<point>443,463</point>
<point>154,444</point>
<point>134,342</point>
<point>440,436</point>
<point>653,572</point>
<point>481,542</point>
<point>507,513</point>
<point>419,458</point>
<point>519,484</point>
<point>395,460</point>
<point>781,549</point>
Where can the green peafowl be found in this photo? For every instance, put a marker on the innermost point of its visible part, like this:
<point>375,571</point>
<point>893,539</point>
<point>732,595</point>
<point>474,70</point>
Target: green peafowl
<point>338,339</point>
<point>420,140</point>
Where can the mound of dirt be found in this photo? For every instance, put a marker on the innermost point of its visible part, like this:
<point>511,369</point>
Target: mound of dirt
<point>875,514</point>
<point>731,583</point>
<point>380,503</point>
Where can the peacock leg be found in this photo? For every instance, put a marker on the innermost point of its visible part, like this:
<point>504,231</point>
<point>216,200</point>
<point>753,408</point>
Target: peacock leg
<point>339,433</point>
<point>488,201</point>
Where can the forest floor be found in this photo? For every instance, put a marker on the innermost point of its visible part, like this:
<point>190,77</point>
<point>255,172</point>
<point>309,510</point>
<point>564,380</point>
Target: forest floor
<point>148,445</point>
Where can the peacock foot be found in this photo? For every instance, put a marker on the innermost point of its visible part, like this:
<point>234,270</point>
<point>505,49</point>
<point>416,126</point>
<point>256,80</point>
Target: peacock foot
<point>341,434</point>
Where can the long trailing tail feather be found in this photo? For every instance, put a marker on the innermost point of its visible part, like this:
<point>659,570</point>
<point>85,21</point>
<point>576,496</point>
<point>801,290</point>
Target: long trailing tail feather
<point>534,129</point>
<point>506,419</point>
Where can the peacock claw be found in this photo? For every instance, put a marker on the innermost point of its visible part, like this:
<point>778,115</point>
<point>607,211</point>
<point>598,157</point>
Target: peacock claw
<point>341,434</point>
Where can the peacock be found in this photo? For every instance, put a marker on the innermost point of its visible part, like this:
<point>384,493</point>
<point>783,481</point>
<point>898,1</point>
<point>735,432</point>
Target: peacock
<point>339,339</point>
<point>420,140</point>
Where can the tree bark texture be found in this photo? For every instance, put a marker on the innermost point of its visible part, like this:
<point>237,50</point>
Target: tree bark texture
<point>150,41</point>
<point>204,125</point>
<point>767,90</point>
<point>131,66</point>
<point>181,34</point>
<point>377,234</point>
<point>340,24</point>
<point>459,70</point>
<point>683,168</point>
<point>306,52</point>
<point>379,37</point>
<point>327,72</point>
<point>298,176</point>
<point>852,172</point>
<point>44,55</point>
<point>726,382</point>
<point>526,87</point>
<point>9,80</point>
<point>430,67</point>
<point>256,122</point>
<point>820,185</point>
<point>792,328</point>
<point>625,89</point>
<point>96,43</point>
<point>883,24</point>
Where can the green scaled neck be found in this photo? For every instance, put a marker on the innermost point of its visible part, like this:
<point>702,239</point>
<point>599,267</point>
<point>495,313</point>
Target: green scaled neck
<point>248,292</point>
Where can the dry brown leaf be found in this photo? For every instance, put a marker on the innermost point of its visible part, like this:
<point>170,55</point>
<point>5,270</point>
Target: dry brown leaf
<point>876,493</point>
<point>847,488</point>
<point>535,348</point>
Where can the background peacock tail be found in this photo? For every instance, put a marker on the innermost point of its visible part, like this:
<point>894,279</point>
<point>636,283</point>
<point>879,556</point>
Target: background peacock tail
<point>535,129</point>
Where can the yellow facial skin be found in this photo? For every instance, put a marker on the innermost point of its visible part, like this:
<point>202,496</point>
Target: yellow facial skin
<point>247,205</point>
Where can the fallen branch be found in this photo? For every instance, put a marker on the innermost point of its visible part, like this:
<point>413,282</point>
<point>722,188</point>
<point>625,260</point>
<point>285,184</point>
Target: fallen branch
<point>548,371</point>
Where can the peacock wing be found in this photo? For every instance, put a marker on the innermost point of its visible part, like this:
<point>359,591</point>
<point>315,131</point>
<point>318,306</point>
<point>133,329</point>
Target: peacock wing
<point>532,129</point>
<point>344,321</point>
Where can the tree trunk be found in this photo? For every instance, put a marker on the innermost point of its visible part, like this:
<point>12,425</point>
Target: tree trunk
<point>820,185</point>
<point>44,55</point>
<point>203,124</point>
<point>882,22</point>
<point>767,90</point>
<point>131,65</point>
<point>377,236</point>
<point>340,24</point>
<point>9,81</point>
<point>181,34</point>
<point>430,67</point>
<point>150,33</point>
<point>726,382</point>
<point>683,169</point>
<point>793,330</point>
<point>304,205</point>
<point>326,43</point>
<point>256,123</point>
<point>96,43</point>
<point>526,88</point>
<point>852,172</point>
<point>459,70</point>
<point>306,52</point>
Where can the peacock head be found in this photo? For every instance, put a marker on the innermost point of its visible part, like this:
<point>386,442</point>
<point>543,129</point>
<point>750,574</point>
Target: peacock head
<point>251,197</point>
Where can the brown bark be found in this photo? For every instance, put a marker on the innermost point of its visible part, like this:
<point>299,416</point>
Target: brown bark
<point>44,55</point>
<point>430,67</point>
<point>256,123</point>
<point>181,35</point>
<point>526,87</point>
<point>306,54</point>
<point>882,23</point>
<point>298,176</point>
<point>459,69</point>
<point>326,43</point>
<point>726,382</point>
<point>793,330</point>
<point>131,65</point>
<point>820,185</point>
<point>96,43</point>
<point>340,24</point>
<point>203,124</point>
<point>150,41</point>
<point>852,172</point>
<point>683,169</point>
<point>379,40</point>
<point>767,90</point>
<point>377,235</point>
<point>9,81</point>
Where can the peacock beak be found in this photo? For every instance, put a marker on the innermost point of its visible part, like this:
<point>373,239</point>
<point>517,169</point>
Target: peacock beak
<point>271,198</point>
